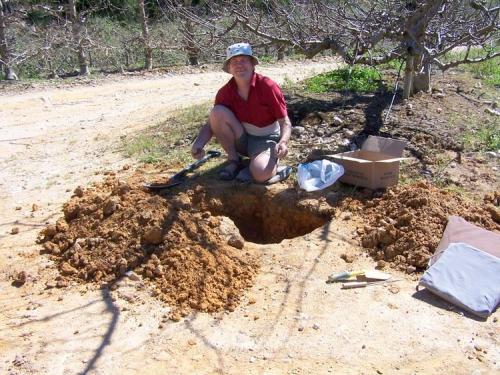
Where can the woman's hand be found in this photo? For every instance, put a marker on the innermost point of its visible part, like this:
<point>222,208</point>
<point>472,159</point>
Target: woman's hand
<point>282,149</point>
<point>197,152</point>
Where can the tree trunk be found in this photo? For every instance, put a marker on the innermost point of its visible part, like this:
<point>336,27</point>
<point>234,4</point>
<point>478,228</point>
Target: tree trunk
<point>409,76</point>
<point>148,51</point>
<point>192,50</point>
<point>76,29</point>
<point>281,52</point>
<point>422,80</point>
<point>4,48</point>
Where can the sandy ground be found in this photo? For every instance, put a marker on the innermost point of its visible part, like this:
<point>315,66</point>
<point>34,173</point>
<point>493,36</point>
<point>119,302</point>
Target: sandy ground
<point>290,322</point>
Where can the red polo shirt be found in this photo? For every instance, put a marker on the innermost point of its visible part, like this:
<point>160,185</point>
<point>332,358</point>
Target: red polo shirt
<point>265,103</point>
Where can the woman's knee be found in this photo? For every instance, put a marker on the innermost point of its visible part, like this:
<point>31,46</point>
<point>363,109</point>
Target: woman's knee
<point>262,169</point>
<point>220,114</point>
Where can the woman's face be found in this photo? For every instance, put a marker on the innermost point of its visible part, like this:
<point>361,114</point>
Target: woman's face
<point>241,67</point>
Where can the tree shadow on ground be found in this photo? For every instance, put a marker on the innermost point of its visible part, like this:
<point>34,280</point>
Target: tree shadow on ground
<point>372,105</point>
<point>106,339</point>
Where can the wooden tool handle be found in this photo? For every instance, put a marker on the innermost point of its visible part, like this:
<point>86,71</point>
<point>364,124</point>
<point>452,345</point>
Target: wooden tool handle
<point>354,284</point>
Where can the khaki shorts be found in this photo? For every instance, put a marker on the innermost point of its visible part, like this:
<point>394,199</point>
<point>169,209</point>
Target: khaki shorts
<point>251,145</point>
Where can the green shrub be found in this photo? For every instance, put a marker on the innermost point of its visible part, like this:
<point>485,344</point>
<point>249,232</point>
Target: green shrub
<point>486,138</point>
<point>359,79</point>
<point>393,64</point>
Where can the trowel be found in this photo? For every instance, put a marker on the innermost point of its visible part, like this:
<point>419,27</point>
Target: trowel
<point>370,275</point>
<point>179,177</point>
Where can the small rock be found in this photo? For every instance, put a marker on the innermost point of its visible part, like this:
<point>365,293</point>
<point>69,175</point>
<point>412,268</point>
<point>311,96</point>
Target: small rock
<point>236,241</point>
<point>14,230</point>
<point>67,269</point>
<point>175,317</point>
<point>348,133</point>
<point>34,207</point>
<point>18,208</point>
<point>62,283</point>
<point>439,95</point>
<point>153,236</point>
<point>493,154</point>
<point>297,130</point>
<point>252,359</point>
<point>337,120</point>
<point>18,361</point>
<point>49,232</point>
<point>132,276</point>
<point>300,329</point>
<point>111,206</point>
<point>345,142</point>
<point>478,348</point>
<point>379,372</point>
<point>394,289</point>
<point>251,300</point>
<point>495,319</point>
<point>191,342</point>
<point>316,326</point>
<point>50,284</point>
<point>348,258</point>
<point>256,317</point>
<point>410,269</point>
<point>78,192</point>
<point>439,110</point>
<point>381,264</point>
<point>20,279</point>
<point>347,216</point>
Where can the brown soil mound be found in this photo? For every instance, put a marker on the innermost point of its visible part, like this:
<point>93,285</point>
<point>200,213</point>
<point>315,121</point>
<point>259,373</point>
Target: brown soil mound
<point>115,227</point>
<point>405,224</point>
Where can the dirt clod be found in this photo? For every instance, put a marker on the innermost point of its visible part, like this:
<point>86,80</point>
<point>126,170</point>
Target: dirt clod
<point>348,258</point>
<point>20,279</point>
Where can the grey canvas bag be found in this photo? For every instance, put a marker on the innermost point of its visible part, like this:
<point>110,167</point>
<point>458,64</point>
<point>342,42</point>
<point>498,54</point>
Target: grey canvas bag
<point>466,277</point>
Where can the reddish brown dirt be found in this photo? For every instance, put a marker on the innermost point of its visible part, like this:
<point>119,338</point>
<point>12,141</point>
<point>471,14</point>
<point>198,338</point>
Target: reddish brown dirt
<point>116,226</point>
<point>193,258</point>
<point>404,225</point>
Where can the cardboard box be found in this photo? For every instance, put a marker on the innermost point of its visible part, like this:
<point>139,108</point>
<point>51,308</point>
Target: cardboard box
<point>375,166</point>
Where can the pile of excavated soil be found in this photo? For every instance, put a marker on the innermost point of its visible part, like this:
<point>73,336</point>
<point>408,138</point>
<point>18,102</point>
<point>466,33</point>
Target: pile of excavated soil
<point>115,227</point>
<point>404,225</point>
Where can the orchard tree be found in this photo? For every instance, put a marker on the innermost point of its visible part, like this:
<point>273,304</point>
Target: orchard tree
<point>146,40</point>
<point>418,32</point>
<point>5,52</point>
<point>204,26</point>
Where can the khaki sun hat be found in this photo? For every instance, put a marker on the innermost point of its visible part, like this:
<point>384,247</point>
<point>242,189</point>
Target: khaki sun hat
<point>237,50</point>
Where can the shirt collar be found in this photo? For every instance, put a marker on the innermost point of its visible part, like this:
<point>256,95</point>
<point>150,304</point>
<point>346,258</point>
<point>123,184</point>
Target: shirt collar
<point>253,80</point>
